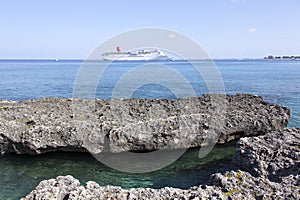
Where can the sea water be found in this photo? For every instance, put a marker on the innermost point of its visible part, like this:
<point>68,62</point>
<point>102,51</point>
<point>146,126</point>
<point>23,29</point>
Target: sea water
<point>276,80</point>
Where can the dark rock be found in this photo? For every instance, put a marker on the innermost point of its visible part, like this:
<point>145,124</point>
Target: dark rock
<point>55,124</point>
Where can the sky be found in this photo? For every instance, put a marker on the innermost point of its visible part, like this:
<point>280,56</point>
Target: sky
<point>68,29</point>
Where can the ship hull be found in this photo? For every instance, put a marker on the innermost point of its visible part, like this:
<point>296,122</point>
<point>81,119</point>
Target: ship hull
<point>136,58</point>
<point>141,55</point>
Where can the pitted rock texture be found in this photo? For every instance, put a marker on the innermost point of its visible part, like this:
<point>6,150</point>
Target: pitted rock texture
<point>56,124</point>
<point>274,155</point>
<point>69,188</point>
<point>229,185</point>
<point>242,185</point>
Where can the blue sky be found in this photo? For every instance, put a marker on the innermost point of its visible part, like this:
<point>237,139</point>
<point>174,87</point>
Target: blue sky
<point>224,28</point>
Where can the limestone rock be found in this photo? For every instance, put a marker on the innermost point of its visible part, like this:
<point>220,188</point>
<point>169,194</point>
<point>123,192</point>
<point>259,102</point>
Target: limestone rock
<point>274,155</point>
<point>229,185</point>
<point>56,124</point>
<point>242,185</point>
<point>67,188</point>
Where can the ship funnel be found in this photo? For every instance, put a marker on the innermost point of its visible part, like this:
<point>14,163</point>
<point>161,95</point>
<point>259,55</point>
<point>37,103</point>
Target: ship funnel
<point>118,49</point>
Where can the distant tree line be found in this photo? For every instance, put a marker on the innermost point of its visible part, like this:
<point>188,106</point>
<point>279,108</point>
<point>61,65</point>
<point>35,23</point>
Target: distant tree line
<point>270,57</point>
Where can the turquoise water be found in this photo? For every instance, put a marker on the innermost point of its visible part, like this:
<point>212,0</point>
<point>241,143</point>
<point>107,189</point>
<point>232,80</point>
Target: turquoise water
<point>21,173</point>
<point>277,81</point>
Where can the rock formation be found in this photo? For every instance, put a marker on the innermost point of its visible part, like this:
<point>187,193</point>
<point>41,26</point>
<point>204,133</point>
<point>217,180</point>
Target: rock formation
<point>275,154</point>
<point>56,124</point>
<point>67,188</point>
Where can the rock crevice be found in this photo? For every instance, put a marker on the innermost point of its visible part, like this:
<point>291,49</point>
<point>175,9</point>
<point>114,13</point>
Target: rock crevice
<point>240,184</point>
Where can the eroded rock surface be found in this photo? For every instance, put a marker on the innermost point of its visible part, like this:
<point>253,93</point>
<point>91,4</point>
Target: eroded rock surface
<point>69,188</point>
<point>54,124</point>
<point>242,185</point>
<point>229,185</point>
<point>274,155</point>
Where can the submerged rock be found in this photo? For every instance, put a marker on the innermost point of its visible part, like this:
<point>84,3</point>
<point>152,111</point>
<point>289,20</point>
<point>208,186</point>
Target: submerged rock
<point>56,124</point>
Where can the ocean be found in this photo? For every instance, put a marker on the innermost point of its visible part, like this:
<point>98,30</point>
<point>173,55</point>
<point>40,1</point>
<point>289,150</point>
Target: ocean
<point>278,81</point>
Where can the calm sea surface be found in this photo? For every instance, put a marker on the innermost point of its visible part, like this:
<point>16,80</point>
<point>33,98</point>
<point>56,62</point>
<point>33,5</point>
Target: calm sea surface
<point>277,81</point>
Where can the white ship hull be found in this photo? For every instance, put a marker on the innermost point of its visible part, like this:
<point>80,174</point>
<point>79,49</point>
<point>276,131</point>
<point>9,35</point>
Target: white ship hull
<point>135,58</point>
<point>143,55</point>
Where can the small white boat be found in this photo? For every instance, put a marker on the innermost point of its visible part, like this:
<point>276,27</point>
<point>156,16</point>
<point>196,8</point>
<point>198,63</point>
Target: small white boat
<point>139,55</point>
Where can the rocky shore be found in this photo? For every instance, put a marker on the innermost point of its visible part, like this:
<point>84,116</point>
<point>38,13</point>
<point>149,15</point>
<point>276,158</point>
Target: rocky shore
<point>270,165</point>
<point>267,154</point>
<point>56,124</point>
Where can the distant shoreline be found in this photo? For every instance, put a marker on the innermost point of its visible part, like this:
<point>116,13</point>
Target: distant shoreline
<point>189,60</point>
<point>271,57</point>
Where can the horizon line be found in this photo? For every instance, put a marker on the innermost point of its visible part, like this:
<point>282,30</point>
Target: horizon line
<point>82,59</point>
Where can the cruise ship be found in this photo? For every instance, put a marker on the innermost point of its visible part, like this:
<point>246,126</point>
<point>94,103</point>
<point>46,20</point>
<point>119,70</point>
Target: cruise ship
<point>139,55</point>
